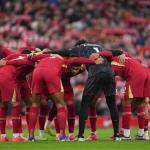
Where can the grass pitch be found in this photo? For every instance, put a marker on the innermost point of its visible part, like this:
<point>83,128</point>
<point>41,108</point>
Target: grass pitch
<point>103,143</point>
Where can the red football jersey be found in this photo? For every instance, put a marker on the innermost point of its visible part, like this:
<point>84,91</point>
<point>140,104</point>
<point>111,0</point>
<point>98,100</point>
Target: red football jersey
<point>130,68</point>
<point>17,65</point>
<point>54,62</point>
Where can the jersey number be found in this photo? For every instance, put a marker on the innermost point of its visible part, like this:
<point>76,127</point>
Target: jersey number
<point>96,49</point>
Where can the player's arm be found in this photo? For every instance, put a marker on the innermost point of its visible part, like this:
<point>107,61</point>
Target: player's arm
<point>16,60</point>
<point>40,56</point>
<point>127,54</point>
<point>20,62</point>
<point>72,52</point>
<point>109,53</point>
<point>6,52</point>
<point>83,60</point>
<point>12,56</point>
<point>75,52</point>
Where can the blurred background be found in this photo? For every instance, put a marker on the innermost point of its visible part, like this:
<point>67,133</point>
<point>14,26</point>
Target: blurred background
<point>57,24</point>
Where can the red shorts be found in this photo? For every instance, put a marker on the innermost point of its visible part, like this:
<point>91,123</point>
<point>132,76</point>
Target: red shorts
<point>9,89</point>
<point>25,91</point>
<point>138,86</point>
<point>46,76</point>
<point>30,85</point>
<point>43,97</point>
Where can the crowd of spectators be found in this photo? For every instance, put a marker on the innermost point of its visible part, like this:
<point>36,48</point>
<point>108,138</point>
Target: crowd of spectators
<point>57,24</point>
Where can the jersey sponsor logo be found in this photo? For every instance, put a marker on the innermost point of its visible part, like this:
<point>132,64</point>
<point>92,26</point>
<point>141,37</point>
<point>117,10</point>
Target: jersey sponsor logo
<point>64,65</point>
<point>96,49</point>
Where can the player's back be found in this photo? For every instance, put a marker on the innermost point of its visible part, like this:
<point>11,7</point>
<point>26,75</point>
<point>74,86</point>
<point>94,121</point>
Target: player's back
<point>54,62</point>
<point>133,67</point>
<point>128,69</point>
<point>23,68</point>
<point>8,70</point>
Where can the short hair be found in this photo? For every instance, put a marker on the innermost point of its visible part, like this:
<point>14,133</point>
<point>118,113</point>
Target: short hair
<point>81,41</point>
<point>76,64</point>
<point>26,51</point>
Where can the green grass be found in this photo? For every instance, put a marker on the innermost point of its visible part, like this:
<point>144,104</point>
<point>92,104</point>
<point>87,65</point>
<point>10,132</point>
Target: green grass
<point>103,143</point>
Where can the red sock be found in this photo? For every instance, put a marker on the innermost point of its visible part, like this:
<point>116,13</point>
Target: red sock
<point>141,117</point>
<point>93,118</point>
<point>146,125</point>
<point>20,126</point>
<point>61,117</point>
<point>3,112</point>
<point>42,116</point>
<point>52,112</point>
<point>56,125</point>
<point>122,123</point>
<point>126,116</point>
<point>16,117</point>
<point>71,118</point>
<point>33,118</point>
<point>27,117</point>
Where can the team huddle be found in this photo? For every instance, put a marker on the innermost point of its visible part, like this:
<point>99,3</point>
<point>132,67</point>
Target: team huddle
<point>36,76</point>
